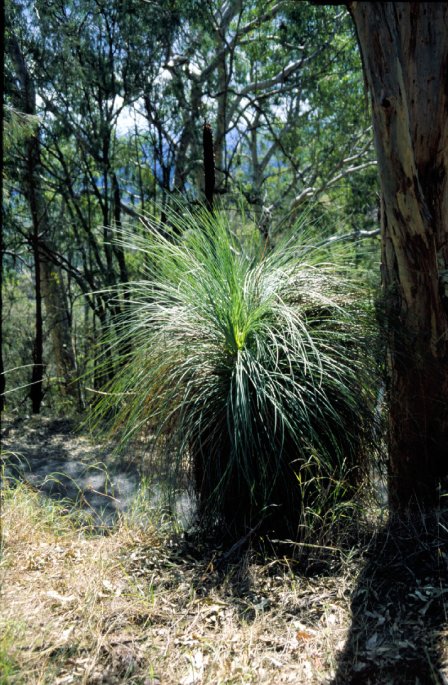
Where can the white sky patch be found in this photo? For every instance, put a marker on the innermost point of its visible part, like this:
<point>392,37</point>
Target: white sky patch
<point>41,111</point>
<point>281,110</point>
<point>129,118</point>
<point>305,106</point>
<point>193,69</point>
<point>163,77</point>
<point>249,111</point>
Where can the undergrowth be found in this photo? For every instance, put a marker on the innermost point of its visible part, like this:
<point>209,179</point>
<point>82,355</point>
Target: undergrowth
<point>142,605</point>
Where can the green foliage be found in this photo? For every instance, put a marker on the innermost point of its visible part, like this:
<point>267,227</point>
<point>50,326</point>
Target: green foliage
<point>17,337</point>
<point>9,668</point>
<point>18,127</point>
<point>256,365</point>
<point>121,94</point>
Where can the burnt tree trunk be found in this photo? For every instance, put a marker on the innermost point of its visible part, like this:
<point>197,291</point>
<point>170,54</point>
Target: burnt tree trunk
<point>404,48</point>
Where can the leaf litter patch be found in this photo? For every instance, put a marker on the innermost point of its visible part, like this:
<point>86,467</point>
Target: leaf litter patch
<point>145,605</point>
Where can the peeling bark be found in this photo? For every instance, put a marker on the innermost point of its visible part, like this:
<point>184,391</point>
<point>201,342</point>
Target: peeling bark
<point>404,48</point>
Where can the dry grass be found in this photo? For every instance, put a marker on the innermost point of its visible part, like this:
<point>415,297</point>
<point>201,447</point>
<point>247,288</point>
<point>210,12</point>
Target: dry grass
<point>136,607</point>
<point>143,606</point>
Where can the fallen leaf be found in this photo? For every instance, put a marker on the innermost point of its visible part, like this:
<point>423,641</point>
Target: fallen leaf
<point>62,599</point>
<point>195,670</point>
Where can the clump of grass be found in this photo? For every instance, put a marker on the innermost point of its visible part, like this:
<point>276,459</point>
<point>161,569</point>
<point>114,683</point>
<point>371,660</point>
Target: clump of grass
<point>255,363</point>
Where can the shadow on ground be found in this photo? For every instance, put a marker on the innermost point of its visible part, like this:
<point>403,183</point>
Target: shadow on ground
<point>399,608</point>
<point>52,456</point>
<point>61,461</point>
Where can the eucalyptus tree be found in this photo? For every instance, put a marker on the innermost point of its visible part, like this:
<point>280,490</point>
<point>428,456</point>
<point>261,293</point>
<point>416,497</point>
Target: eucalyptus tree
<point>405,56</point>
<point>404,48</point>
<point>78,64</point>
<point>311,139</point>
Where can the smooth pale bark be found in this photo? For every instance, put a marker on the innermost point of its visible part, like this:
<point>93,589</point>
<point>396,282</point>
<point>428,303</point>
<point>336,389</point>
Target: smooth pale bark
<point>404,48</point>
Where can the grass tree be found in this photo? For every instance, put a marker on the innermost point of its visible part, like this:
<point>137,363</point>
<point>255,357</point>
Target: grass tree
<point>254,363</point>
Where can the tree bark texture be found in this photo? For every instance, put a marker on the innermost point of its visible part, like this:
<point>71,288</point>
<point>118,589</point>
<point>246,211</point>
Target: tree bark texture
<point>37,373</point>
<point>404,48</point>
<point>59,325</point>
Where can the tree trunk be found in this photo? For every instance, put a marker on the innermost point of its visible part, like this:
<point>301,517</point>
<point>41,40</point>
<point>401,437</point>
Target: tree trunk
<point>189,141</point>
<point>221,125</point>
<point>2,113</point>
<point>2,374</point>
<point>209,166</point>
<point>404,48</point>
<point>117,247</point>
<point>37,374</point>
<point>48,281</point>
<point>59,326</point>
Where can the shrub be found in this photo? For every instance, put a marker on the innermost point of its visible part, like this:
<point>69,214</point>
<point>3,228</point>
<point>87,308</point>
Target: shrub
<point>256,365</point>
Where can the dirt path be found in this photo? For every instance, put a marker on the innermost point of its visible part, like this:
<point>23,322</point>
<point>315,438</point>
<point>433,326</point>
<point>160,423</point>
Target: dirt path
<point>52,455</point>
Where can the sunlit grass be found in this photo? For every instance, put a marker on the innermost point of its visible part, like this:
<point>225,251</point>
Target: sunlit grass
<point>132,606</point>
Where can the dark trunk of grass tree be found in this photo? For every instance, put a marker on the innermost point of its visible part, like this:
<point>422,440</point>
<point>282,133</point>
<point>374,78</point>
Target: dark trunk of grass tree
<point>404,48</point>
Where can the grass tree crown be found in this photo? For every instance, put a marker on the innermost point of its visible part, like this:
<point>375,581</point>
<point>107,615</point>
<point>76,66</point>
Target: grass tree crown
<point>254,362</point>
